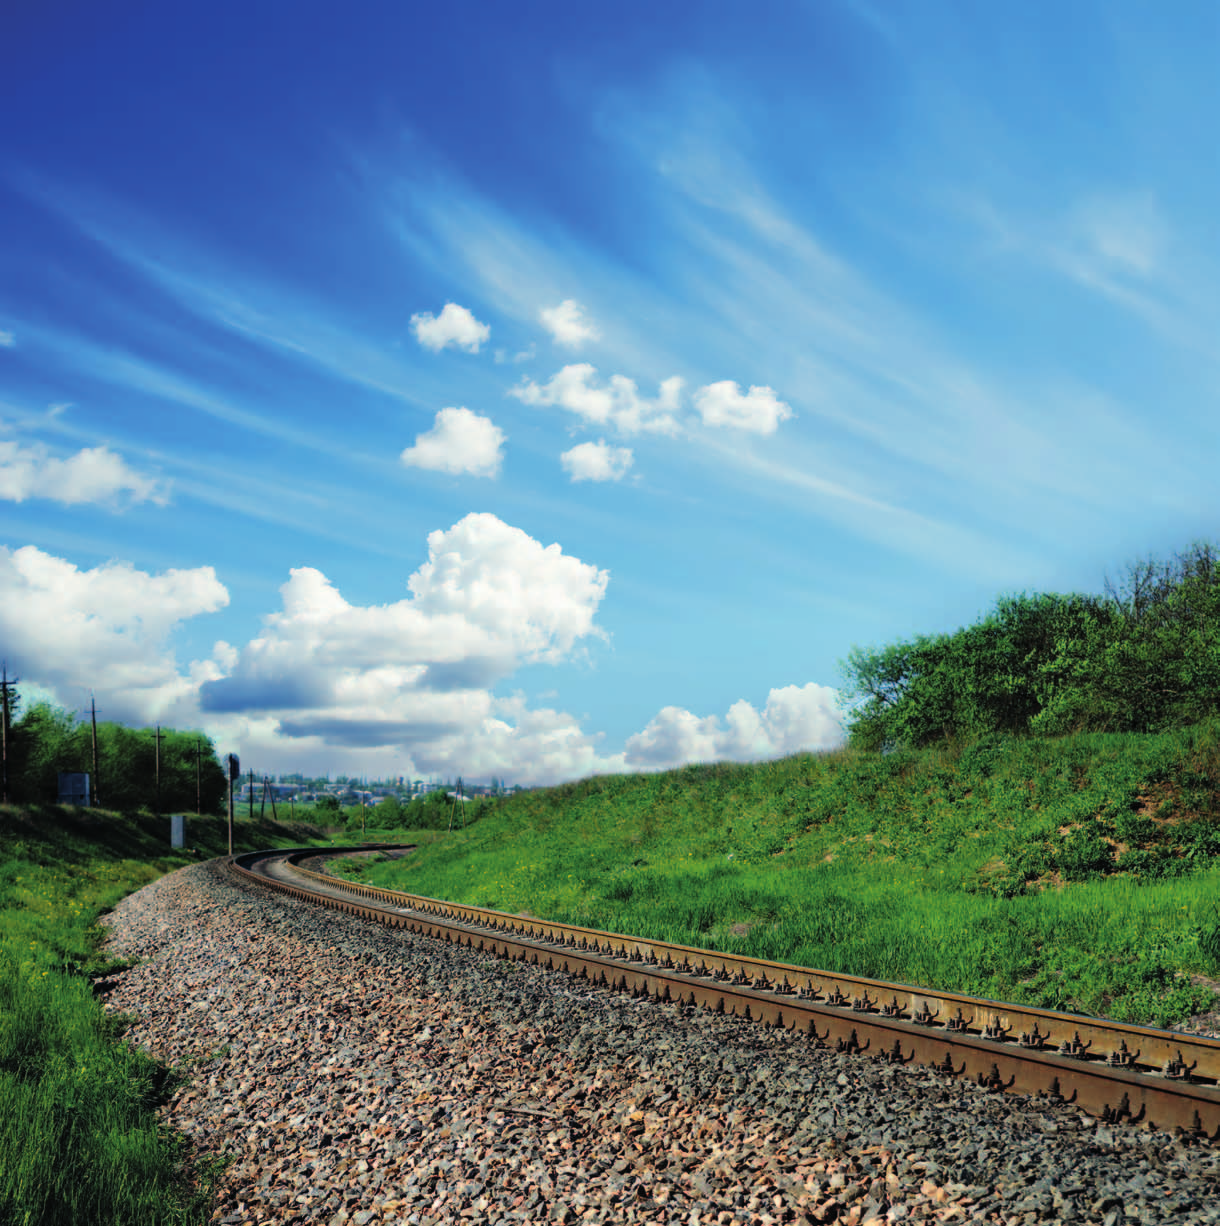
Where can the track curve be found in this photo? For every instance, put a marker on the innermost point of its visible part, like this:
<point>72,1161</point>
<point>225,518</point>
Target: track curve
<point>1113,1070</point>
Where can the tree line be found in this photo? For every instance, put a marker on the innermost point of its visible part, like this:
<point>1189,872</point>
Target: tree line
<point>44,740</point>
<point>1142,657</point>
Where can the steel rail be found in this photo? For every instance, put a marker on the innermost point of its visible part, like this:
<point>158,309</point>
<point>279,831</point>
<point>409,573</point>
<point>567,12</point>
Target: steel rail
<point>1113,1070</point>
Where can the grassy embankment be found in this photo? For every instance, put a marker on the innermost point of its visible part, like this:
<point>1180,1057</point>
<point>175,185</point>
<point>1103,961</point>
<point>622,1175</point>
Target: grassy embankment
<point>79,1138</point>
<point>1079,872</point>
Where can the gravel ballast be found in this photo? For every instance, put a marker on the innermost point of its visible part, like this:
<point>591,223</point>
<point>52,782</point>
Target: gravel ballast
<point>357,1074</point>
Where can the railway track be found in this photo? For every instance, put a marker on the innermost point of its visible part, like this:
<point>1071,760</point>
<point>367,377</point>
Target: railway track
<point>1117,1072</point>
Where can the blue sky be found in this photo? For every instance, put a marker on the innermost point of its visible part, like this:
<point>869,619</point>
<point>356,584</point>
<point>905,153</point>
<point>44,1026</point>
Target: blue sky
<point>540,391</point>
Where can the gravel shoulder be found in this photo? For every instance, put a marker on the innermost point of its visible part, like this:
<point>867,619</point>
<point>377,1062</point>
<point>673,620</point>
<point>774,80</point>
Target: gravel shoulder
<point>355,1074</point>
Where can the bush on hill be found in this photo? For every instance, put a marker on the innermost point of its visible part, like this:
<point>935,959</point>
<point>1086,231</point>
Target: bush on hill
<point>1142,659</point>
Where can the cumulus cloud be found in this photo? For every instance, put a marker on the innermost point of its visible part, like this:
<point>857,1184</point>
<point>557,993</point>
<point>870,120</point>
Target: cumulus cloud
<point>722,404</point>
<point>95,474</point>
<point>408,685</point>
<point>540,745</point>
<point>7,340</point>
<point>459,442</point>
<point>405,687</point>
<point>618,404</point>
<point>106,629</point>
<point>795,719</point>
<point>567,323</point>
<point>454,326</point>
<point>597,462</point>
<point>489,598</point>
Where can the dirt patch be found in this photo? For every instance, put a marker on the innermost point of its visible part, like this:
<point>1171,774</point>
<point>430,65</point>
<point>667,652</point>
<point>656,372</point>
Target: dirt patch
<point>741,930</point>
<point>1048,881</point>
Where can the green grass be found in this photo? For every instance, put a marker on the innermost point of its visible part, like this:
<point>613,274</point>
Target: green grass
<point>79,1138</point>
<point>1077,872</point>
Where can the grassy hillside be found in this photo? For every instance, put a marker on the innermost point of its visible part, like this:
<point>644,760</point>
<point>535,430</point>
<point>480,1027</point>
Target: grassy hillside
<point>79,1140</point>
<point>1078,872</point>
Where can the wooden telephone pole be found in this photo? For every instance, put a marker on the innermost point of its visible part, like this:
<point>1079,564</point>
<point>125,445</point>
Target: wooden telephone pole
<point>263,809</point>
<point>160,736</point>
<point>96,789</point>
<point>234,774</point>
<point>5,700</point>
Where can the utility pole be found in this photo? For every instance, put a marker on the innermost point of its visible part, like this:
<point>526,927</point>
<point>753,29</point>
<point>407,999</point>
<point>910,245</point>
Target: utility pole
<point>275,817</point>
<point>97,800</point>
<point>262,804</point>
<point>160,736</point>
<point>251,795</point>
<point>5,686</point>
<point>198,792</point>
<point>233,774</point>
<point>456,795</point>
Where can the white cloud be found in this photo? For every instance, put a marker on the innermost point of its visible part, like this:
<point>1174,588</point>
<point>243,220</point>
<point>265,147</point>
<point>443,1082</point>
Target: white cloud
<point>567,323</point>
<point>488,599</point>
<point>95,474</point>
<point>409,684</point>
<point>454,326</point>
<point>327,684</point>
<point>525,355</point>
<point>597,462</point>
<point>459,442</point>
<point>618,404</point>
<point>7,340</point>
<point>106,629</point>
<point>1127,232</point>
<point>400,688</point>
<point>795,719</point>
<point>722,404</point>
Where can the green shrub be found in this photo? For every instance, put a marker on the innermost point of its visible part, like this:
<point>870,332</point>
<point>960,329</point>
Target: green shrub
<point>1082,855</point>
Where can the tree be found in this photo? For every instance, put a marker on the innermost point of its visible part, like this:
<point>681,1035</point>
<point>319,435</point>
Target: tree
<point>42,746</point>
<point>48,740</point>
<point>1143,658</point>
<point>387,813</point>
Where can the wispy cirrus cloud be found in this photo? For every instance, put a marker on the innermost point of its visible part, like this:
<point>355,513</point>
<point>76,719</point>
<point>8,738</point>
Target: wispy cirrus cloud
<point>848,349</point>
<point>7,340</point>
<point>524,355</point>
<point>125,369</point>
<point>1115,244</point>
<point>218,288</point>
